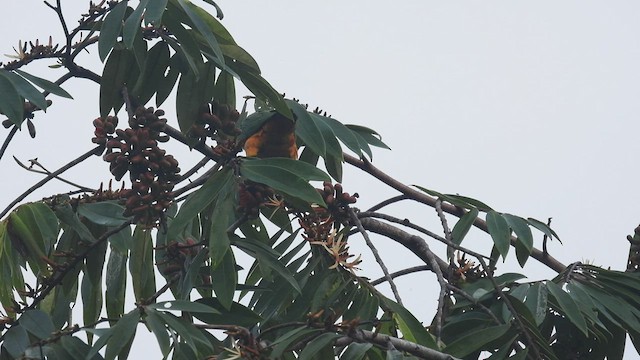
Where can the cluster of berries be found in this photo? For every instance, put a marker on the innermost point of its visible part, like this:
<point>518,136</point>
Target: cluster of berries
<point>152,172</point>
<point>216,121</point>
<point>251,195</point>
<point>337,201</point>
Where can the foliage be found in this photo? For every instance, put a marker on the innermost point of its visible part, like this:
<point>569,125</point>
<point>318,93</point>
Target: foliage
<point>302,295</point>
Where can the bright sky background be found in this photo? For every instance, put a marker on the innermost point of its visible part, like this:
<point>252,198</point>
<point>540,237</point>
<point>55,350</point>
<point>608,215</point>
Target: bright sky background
<point>531,107</point>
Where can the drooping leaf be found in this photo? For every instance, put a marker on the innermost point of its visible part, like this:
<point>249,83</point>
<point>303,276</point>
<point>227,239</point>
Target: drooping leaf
<point>106,213</point>
<point>462,227</point>
<point>225,91</point>
<point>544,228</point>
<point>237,314</point>
<point>110,29</point>
<point>141,265</point>
<point>282,343</point>
<point>307,129</point>
<point>156,325</point>
<point>500,232</point>
<point>123,331</point>
<point>536,301</point>
<point>116,283</point>
<point>154,67</point>
<point>193,92</point>
<point>120,70</point>
<point>183,305</point>
<point>11,104</point>
<point>356,351</point>
<point>568,306</point>
<point>410,327</point>
<point>16,341</point>
<point>203,28</point>
<point>315,346</point>
<point>343,133</point>
<point>132,24</point>
<point>37,323</point>
<point>224,278</point>
<point>25,89</point>
<point>475,341</point>
<point>369,135</point>
<point>45,84</point>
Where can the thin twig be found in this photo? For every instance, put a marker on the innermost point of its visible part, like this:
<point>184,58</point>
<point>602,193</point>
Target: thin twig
<point>6,142</point>
<point>78,160</point>
<point>445,228</point>
<point>433,263</point>
<point>197,182</point>
<point>193,169</point>
<point>47,172</point>
<point>237,223</point>
<point>421,197</point>
<point>160,291</point>
<point>407,271</point>
<point>365,235</point>
<point>388,202</point>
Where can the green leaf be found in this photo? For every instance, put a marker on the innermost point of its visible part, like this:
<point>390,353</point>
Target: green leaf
<point>25,89</point>
<point>220,221</point>
<point>318,344</point>
<point>132,24</point>
<point>500,232</point>
<point>462,227</point>
<point>183,305</point>
<point>11,104</point>
<point>282,343</point>
<point>568,307</point>
<point>475,340</point>
<point>262,90</point>
<point>154,11</point>
<point>155,65</point>
<point>544,228</point>
<point>198,201</point>
<point>342,132</point>
<point>166,83</point>
<point>16,341</point>
<point>116,283</point>
<point>189,8</point>
<point>106,213</point>
<point>187,331</point>
<point>123,332</point>
<point>110,29</point>
<point>224,279</point>
<point>410,327</point>
<point>524,241</point>
<point>38,323</point>
<point>469,202</point>
<point>356,351</point>
<point>536,301</point>
<point>369,135</point>
<point>281,179</point>
<point>120,68</point>
<point>156,325</point>
<point>301,169</point>
<point>224,91</point>
<point>307,129</point>
<point>45,84</point>
<point>141,264</point>
<point>193,92</point>
<point>237,314</point>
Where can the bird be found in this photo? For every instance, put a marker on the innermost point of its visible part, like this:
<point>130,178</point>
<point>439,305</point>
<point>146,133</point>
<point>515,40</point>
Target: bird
<point>271,137</point>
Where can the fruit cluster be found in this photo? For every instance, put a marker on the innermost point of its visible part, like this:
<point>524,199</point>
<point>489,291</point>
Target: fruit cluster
<point>173,255</point>
<point>337,201</point>
<point>152,172</point>
<point>251,195</point>
<point>216,121</point>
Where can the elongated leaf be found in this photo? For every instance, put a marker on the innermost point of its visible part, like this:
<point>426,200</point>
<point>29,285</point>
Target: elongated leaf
<point>410,327</point>
<point>132,24</point>
<point>475,341</point>
<point>282,343</point>
<point>307,129</point>
<point>462,227</point>
<point>16,341</point>
<point>141,264</point>
<point>120,70</point>
<point>110,29</point>
<point>154,11</point>
<point>189,333</point>
<point>304,170</point>
<point>220,220</point>
<point>107,213</point>
<point>25,89</point>
<point>45,84</point>
<point>198,201</point>
<point>11,104</point>
<point>544,228</point>
<point>536,301</point>
<point>166,83</point>
<point>236,314</point>
<point>500,232</point>
<point>203,28</point>
<point>524,242</point>
<point>123,332</point>
<point>183,305</point>
<point>262,90</point>
<point>568,307</point>
<point>155,65</point>
<point>355,351</point>
<point>116,284</point>
<point>224,279</point>
<point>316,345</point>
<point>225,91</point>
<point>282,180</point>
<point>369,135</point>
<point>157,326</point>
<point>343,133</point>
<point>37,323</point>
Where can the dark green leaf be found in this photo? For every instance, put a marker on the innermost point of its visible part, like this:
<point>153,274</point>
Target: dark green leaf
<point>189,333</point>
<point>141,264</point>
<point>469,202</point>
<point>123,331</point>
<point>369,135</point>
<point>263,90</point>
<point>198,201</point>
<point>521,228</point>
<point>461,228</point>
<point>118,72</point>
<point>154,11</point>
<point>220,221</point>
<point>500,232</point>
<point>568,307</point>
<point>157,326</point>
<point>355,351</point>
<point>544,228</point>
<point>37,323</point>
<point>116,283</point>
<point>45,84</point>
<point>224,278</point>
<point>342,132</point>
<point>106,213</point>
<point>301,169</point>
<point>25,89</point>
<point>225,91</point>
<point>281,179</point>
<point>183,305</point>
<point>16,341</point>
<point>282,343</point>
<point>193,92</point>
<point>186,46</point>
<point>475,340</point>
<point>237,314</point>
<point>316,345</point>
<point>201,25</point>
<point>536,301</point>
<point>110,29</point>
<point>307,129</point>
<point>155,65</point>
<point>11,104</point>
<point>410,327</point>
<point>132,24</point>
<point>166,83</point>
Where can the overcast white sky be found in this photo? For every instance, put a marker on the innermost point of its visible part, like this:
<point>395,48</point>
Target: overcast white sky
<point>531,107</point>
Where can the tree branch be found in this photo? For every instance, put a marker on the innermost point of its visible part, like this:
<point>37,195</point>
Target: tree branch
<point>421,197</point>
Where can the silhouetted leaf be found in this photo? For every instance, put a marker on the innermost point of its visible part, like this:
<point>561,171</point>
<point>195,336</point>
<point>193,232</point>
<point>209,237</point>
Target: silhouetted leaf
<point>500,232</point>
<point>237,314</point>
<point>462,227</point>
<point>11,104</point>
<point>110,29</point>
<point>568,306</point>
<point>45,84</point>
<point>475,340</point>
<point>106,213</point>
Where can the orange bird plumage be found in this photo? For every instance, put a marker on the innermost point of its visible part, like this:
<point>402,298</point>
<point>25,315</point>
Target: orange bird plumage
<point>275,138</point>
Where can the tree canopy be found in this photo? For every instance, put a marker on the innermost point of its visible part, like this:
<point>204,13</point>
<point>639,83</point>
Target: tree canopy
<point>238,256</point>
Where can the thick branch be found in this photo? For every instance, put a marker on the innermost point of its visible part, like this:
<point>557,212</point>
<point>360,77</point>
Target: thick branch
<point>403,345</point>
<point>421,197</point>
